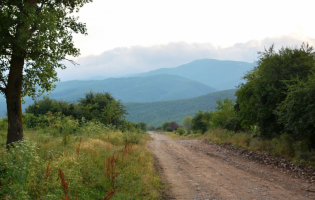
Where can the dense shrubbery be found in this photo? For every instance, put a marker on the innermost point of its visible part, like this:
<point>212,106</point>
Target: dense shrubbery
<point>94,158</point>
<point>100,107</point>
<point>268,86</point>
<point>278,97</point>
<point>201,121</point>
<point>181,131</point>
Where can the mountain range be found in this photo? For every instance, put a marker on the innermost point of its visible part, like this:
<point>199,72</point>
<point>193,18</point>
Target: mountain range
<point>134,89</point>
<point>220,74</point>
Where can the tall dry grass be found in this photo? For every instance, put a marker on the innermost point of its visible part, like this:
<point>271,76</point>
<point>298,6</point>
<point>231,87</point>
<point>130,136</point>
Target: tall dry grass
<point>44,166</point>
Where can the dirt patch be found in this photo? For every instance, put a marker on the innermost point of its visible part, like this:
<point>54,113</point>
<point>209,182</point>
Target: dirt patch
<point>199,170</point>
<point>305,172</point>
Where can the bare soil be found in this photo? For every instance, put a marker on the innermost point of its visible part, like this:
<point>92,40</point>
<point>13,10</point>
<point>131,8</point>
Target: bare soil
<point>196,169</point>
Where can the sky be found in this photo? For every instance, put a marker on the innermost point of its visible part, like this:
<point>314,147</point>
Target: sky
<point>127,37</point>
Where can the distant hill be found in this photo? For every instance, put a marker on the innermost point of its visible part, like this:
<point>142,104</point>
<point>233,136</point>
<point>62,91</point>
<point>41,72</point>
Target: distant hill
<point>134,89</point>
<point>156,113</point>
<point>220,74</point>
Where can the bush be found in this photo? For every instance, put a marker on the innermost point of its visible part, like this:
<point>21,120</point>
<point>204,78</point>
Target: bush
<point>283,146</point>
<point>201,121</point>
<point>169,129</point>
<point>181,131</point>
<point>186,123</point>
<point>165,125</point>
<point>95,106</point>
<point>142,126</point>
<point>151,128</point>
<point>173,125</point>
<point>267,86</point>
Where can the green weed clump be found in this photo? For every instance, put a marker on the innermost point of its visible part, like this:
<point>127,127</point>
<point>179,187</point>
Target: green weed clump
<point>82,161</point>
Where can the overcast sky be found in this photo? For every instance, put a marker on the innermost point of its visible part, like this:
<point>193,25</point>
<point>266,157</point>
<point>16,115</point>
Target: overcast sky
<point>126,37</point>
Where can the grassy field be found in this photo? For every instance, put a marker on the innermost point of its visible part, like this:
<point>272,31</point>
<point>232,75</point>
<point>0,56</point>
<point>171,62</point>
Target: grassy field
<point>82,162</point>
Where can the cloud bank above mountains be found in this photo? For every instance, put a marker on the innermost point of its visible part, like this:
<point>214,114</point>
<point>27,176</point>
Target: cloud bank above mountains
<point>124,61</point>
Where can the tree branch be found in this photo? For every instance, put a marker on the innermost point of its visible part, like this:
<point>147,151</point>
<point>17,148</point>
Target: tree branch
<point>74,63</point>
<point>2,89</point>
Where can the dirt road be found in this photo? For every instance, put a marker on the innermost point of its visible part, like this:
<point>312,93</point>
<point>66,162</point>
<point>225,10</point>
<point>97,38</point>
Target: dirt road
<point>196,170</point>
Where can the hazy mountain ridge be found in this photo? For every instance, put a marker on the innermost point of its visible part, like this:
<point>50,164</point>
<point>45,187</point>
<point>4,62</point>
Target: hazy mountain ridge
<point>134,89</point>
<point>155,113</point>
<point>220,74</point>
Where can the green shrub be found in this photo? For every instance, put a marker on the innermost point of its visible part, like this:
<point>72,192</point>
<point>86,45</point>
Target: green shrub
<point>201,121</point>
<point>181,131</point>
<point>283,146</point>
<point>16,167</point>
<point>169,129</point>
<point>4,124</point>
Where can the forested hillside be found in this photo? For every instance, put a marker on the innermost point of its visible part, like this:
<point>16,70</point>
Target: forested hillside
<point>155,113</point>
<point>220,74</point>
<point>134,89</point>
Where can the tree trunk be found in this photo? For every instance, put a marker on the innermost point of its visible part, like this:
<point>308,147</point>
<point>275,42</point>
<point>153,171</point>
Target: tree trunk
<point>13,98</point>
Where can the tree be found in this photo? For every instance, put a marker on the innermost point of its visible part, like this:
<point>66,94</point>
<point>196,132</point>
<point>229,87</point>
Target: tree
<point>186,123</point>
<point>297,111</point>
<point>35,35</point>
<point>225,115</point>
<point>151,128</point>
<point>173,125</point>
<point>201,121</point>
<point>165,125</point>
<point>142,126</point>
<point>267,86</point>
<point>103,107</point>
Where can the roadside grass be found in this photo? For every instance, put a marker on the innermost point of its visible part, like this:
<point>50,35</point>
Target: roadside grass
<point>91,162</point>
<point>283,146</point>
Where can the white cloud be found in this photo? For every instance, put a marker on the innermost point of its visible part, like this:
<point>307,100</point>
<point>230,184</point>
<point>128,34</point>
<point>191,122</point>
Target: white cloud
<point>136,59</point>
<point>125,23</point>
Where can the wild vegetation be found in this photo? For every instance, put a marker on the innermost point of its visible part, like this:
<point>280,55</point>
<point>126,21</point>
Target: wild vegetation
<point>94,106</point>
<point>63,158</point>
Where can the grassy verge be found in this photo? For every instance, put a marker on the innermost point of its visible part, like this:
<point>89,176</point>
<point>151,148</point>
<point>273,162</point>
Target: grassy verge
<point>283,146</point>
<point>94,162</point>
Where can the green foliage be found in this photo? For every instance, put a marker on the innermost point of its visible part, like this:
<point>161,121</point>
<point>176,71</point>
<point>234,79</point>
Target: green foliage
<point>95,106</point>
<point>4,124</point>
<point>283,146</point>
<point>156,113</point>
<point>165,125</point>
<point>16,168</point>
<point>267,86</point>
<point>181,131</point>
<point>23,170</point>
<point>169,129</point>
<point>42,107</point>
<point>225,116</point>
<point>41,35</point>
<point>297,111</point>
<point>186,123</point>
<point>102,106</point>
<point>142,126</point>
<point>151,128</point>
<point>201,121</point>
